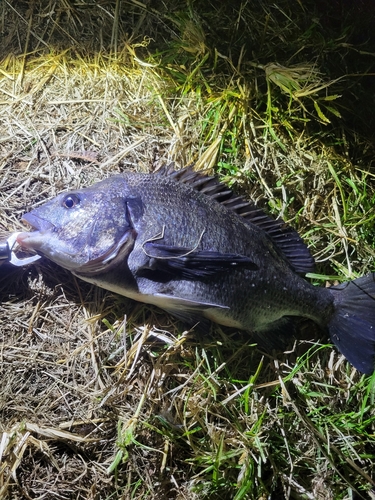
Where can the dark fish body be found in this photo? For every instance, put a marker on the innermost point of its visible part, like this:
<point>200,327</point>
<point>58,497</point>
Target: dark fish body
<point>181,241</point>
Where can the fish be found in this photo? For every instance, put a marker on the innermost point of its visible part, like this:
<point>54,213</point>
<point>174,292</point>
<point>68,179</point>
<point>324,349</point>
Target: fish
<point>183,241</point>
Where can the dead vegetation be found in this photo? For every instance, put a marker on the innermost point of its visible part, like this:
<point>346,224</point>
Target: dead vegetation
<point>101,397</point>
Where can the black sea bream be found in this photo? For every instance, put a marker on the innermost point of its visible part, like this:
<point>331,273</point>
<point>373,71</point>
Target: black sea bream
<point>185,243</point>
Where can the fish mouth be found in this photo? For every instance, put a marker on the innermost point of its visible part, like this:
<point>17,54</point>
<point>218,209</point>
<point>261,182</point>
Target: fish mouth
<point>38,223</point>
<point>31,240</point>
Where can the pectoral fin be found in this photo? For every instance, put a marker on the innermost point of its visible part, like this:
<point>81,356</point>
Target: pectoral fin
<point>194,264</point>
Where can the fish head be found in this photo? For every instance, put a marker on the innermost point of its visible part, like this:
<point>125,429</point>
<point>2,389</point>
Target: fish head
<point>85,231</point>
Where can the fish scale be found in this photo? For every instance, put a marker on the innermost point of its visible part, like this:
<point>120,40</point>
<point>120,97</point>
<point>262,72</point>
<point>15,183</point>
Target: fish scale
<point>184,242</point>
<point>251,307</point>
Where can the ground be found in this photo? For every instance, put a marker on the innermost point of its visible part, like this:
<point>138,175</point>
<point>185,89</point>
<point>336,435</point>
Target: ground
<point>102,397</point>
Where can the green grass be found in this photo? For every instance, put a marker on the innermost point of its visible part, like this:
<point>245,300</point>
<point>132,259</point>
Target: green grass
<point>263,434</point>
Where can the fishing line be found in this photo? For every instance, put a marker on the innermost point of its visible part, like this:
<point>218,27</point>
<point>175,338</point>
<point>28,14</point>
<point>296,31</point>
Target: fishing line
<point>160,236</point>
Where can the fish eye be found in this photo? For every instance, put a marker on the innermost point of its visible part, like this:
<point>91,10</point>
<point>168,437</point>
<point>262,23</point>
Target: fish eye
<point>70,201</point>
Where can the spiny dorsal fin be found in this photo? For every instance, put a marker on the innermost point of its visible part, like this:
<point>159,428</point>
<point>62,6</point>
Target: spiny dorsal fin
<point>286,239</point>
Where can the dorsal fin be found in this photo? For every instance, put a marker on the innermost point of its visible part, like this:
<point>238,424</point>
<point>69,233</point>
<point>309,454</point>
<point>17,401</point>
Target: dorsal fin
<point>285,238</point>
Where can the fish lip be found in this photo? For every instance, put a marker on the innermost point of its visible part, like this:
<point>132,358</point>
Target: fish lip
<point>38,223</point>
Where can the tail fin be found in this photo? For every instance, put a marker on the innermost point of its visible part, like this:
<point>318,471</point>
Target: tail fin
<point>352,326</point>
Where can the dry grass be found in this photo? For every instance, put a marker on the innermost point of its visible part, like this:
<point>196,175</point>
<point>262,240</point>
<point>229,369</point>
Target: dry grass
<point>101,397</point>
